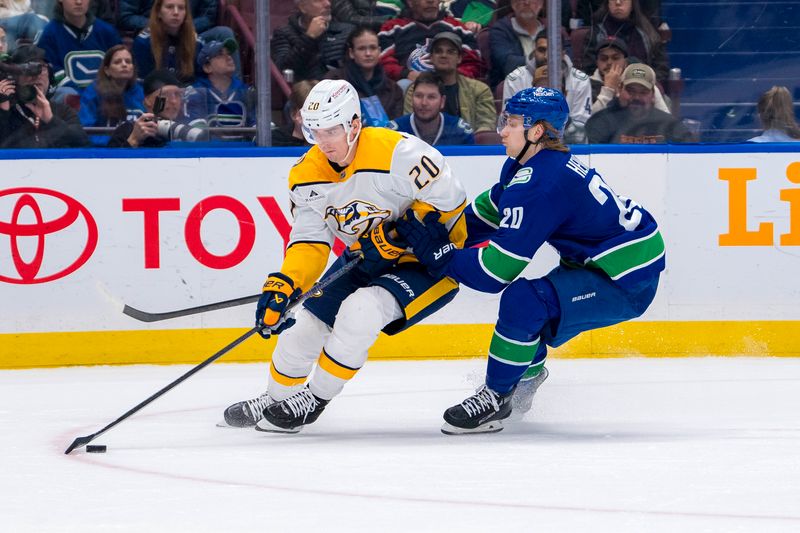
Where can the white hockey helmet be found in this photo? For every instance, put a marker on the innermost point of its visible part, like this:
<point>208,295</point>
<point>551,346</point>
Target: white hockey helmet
<point>330,103</point>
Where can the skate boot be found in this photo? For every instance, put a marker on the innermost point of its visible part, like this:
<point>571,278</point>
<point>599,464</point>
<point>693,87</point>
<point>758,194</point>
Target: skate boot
<point>245,414</point>
<point>523,394</point>
<point>291,414</point>
<point>483,412</point>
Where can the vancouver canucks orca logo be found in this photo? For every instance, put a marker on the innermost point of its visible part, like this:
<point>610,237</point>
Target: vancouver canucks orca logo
<point>357,217</point>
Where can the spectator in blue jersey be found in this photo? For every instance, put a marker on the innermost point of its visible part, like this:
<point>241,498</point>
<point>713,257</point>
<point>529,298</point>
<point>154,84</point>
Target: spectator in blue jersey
<point>218,97</point>
<point>28,118</point>
<point>115,96</point>
<point>170,41</point>
<point>427,121</point>
<point>75,43</point>
<point>134,16</point>
<point>18,21</point>
<point>163,120</point>
<point>611,249</point>
<point>381,98</point>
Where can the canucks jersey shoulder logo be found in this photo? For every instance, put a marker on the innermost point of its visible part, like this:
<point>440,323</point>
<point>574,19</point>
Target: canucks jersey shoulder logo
<point>523,175</point>
<point>357,217</point>
<point>81,66</point>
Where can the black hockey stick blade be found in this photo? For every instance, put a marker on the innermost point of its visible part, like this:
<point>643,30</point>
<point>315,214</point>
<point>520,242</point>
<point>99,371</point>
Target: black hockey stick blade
<point>83,441</point>
<point>313,291</point>
<point>145,316</point>
<point>80,442</point>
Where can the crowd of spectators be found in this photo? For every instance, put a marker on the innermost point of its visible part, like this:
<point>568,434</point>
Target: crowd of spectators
<point>157,71</point>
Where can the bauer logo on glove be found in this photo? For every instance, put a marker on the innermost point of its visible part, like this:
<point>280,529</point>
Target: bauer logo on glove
<point>279,290</point>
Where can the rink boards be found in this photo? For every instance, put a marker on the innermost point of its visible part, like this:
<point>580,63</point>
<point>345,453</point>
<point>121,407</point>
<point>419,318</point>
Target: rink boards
<point>80,236</point>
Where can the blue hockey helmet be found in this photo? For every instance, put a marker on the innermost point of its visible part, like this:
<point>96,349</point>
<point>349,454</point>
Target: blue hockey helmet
<point>535,104</point>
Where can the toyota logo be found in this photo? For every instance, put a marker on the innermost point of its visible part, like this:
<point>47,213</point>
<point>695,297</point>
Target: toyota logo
<point>31,217</point>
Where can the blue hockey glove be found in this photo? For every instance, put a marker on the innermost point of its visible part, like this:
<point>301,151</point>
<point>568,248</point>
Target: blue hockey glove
<point>429,239</point>
<point>279,291</point>
<point>381,250</point>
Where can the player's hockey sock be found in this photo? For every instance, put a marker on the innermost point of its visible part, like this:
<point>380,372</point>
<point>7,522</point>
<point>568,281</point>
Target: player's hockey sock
<point>509,359</point>
<point>330,376</point>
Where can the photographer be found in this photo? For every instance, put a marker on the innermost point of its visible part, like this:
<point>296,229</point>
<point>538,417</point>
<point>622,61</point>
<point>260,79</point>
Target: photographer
<point>163,102</point>
<point>28,119</point>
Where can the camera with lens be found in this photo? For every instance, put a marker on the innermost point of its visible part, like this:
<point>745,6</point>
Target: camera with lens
<point>13,71</point>
<point>173,131</point>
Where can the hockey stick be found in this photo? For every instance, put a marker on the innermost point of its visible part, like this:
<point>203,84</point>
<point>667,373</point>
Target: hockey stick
<point>316,290</point>
<point>144,316</point>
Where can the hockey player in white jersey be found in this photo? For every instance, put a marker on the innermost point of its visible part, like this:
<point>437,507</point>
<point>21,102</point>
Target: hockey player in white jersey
<point>352,185</point>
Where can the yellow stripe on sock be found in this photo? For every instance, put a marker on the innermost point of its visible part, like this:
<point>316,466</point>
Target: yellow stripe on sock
<point>283,379</point>
<point>425,299</point>
<point>332,366</point>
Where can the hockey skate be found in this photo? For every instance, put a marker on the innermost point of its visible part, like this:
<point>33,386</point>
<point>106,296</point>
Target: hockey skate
<point>291,414</point>
<point>523,394</point>
<point>245,414</point>
<point>483,412</point>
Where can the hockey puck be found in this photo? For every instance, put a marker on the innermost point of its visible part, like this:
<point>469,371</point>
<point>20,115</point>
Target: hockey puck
<point>97,448</point>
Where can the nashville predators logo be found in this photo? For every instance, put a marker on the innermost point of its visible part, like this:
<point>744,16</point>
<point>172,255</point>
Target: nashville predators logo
<point>357,217</point>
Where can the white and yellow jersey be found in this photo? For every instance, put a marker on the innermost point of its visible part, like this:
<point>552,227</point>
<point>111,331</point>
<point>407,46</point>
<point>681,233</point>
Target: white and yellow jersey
<point>391,172</point>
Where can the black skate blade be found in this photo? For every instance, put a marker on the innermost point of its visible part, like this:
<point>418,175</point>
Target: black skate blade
<point>489,427</point>
<point>266,427</point>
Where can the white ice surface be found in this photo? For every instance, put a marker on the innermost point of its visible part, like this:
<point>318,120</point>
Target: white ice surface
<point>658,445</point>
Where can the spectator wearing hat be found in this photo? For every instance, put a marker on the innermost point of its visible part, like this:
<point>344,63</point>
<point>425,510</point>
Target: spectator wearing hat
<point>574,83</point>
<point>612,58</point>
<point>28,119</point>
<point>405,42</point>
<point>467,98</point>
<point>625,20</point>
<point>162,121</point>
<point>427,121</point>
<point>218,97</point>
<point>75,43</point>
<point>631,118</point>
<point>134,16</point>
<point>311,44</point>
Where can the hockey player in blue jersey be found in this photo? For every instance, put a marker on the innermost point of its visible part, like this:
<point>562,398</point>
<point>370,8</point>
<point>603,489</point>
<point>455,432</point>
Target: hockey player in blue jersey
<point>612,254</point>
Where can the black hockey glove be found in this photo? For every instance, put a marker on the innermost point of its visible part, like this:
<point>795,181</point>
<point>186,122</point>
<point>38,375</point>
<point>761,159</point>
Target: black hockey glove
<point>380,250</point>
<point>279,291</point>
<point>429,239</point>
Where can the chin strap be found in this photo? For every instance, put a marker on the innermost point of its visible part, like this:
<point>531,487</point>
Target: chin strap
<point>350,145</point>
<point>528,144</point>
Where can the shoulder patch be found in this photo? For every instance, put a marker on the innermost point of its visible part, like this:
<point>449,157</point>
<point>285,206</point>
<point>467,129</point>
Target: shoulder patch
<point>464,125</point>
<point>300,160</point>
<point>579,74</point>
<point>523,175</point>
